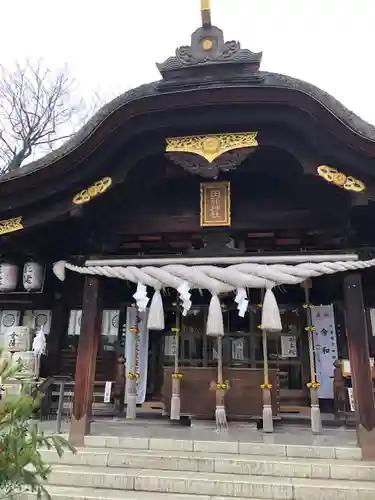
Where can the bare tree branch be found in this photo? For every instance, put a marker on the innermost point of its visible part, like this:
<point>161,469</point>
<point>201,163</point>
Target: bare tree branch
<point>39,110</point>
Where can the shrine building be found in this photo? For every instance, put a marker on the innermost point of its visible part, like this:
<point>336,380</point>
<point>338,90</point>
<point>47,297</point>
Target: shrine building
<point>203,246</point>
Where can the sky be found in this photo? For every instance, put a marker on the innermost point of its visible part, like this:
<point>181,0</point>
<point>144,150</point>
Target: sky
<point>111,46</point>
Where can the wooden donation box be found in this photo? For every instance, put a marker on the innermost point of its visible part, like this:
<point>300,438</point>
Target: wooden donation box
<point>244,399</point>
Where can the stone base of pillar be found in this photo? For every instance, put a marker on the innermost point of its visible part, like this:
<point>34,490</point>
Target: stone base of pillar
<point>366,440</point>
<point>316,420</point>
<point>78,430</point>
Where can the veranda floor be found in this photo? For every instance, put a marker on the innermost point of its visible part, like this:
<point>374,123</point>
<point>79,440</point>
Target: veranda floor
<point>285,434</point>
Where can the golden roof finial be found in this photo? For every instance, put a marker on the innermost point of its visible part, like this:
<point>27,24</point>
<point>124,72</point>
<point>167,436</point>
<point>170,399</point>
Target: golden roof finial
<point>206,12</point>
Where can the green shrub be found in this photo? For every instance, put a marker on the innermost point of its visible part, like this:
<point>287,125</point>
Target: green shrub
<point>21,465</point>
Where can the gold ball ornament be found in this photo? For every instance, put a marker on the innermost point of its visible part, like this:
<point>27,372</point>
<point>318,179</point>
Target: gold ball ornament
<point>339,179</point>
<point>207,45</point>
<point>211,145</point>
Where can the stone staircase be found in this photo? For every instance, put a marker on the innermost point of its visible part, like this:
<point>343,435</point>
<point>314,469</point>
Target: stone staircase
<point>137,468</point>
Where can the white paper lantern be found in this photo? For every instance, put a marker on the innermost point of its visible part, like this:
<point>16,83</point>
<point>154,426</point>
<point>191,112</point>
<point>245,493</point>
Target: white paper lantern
<point>33,274</point>
<point>8,277</point>
<point>26,362</point>
<point>18,339</point>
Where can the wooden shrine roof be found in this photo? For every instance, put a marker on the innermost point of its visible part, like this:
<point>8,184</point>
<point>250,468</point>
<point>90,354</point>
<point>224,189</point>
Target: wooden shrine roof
<point>309,94</point>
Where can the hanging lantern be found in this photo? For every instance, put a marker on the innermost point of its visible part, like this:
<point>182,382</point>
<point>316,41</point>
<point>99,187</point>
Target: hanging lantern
<point>26,364</point>
<point>8,277</point>
<point>18,339</point>
<point>33,275</point>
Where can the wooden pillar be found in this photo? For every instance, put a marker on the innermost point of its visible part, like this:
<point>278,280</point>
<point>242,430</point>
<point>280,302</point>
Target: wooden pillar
<point>356,331</point>
<point>86,361</point>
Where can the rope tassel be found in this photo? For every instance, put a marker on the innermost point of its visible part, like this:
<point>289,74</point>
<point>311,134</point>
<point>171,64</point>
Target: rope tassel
<point>156,313</point>
<point>215,323</point>
<point>220,413</point>
<point>271,320</point>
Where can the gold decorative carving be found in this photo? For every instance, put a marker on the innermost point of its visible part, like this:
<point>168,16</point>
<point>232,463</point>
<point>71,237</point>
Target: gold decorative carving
<point>211,146</point>
<point>341,180</point>
<point>10,225</point>
<point>207,44</point>
<point>215,204</point>
<point>86,195</point>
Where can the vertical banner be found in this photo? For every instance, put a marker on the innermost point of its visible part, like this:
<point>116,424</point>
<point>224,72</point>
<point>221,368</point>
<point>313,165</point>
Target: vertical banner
<point>325,346</point>
<point>141,339</point>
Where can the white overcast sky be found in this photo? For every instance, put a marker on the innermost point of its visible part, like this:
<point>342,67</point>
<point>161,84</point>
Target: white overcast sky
<point>112,45</point>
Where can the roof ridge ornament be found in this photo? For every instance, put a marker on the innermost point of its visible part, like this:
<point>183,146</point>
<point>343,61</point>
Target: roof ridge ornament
<point>206,12</point>
<point>209,55</point>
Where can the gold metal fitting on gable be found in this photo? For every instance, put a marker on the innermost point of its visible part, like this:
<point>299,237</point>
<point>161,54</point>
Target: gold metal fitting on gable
<point>339,179</point>
<point>92,191</point>
<point>10,225</point>
<point>207,44</point>
<point>211,146</point>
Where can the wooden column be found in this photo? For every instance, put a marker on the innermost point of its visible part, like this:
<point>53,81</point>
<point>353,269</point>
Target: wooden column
<point>86,361</point>
<point>356,331</point>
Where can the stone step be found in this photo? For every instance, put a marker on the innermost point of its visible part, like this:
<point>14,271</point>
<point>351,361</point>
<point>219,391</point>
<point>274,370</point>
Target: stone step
<point>211,484</point>
<point>218,463</point>
<point>228,446</point>
<point>65,493</point>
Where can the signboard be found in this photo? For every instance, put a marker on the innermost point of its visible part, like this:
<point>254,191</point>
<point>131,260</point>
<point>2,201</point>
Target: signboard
<point>325,346</point>
<point>141,338</point>
<point>372,321</point>
<point>215,204</point>
<point>346,369</point>
<point>288,346</point>
<point>107,392</point>
<point>238,346</point>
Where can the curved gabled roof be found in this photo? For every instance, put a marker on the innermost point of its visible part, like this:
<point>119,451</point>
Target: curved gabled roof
<point>227,66</point>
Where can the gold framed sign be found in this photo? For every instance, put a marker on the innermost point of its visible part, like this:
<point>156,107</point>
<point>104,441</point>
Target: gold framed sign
<point>215,204</point>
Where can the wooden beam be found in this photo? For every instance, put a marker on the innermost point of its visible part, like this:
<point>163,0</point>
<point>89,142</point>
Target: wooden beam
<point>257,220</point>
<point>359,356</point>
<point>86,361</point>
